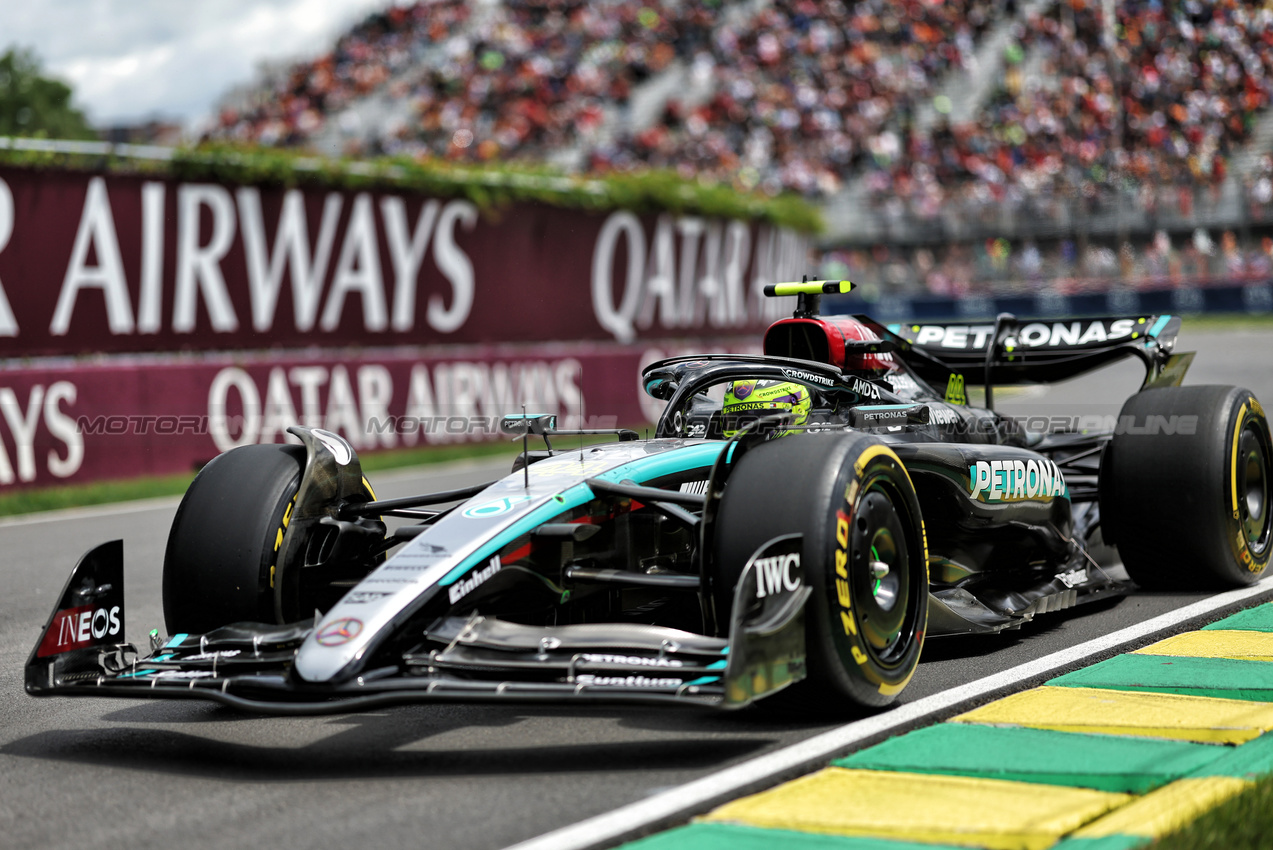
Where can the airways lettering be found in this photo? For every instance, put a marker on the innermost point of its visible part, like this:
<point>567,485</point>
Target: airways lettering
<point>343,261</point>
<point>8,324</point>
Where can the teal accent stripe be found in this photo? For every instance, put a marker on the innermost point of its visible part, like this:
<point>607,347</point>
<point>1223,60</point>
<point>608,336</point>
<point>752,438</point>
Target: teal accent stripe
<point>719,665</point>
<point>571,498</point>
<point>640,471</point>
<point>1158,326</point>
<point>702,680</point>
<point>666,463</point>
<point>176,640</point>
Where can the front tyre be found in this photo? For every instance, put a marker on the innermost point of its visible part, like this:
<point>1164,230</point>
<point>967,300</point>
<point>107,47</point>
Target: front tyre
<point>220,562</point>
<point>1187,488</point>
<point>864,552</point>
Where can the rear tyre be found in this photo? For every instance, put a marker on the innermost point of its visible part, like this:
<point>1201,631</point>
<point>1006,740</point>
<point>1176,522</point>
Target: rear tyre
<point>1187,488</point>
<point>864,556</point>
<point>219,565</point>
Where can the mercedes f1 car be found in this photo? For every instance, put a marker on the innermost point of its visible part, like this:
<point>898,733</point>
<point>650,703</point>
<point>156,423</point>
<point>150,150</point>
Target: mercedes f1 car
<point>805,518</point>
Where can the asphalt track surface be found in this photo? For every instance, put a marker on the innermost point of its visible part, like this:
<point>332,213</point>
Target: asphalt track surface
<point>89,773</point>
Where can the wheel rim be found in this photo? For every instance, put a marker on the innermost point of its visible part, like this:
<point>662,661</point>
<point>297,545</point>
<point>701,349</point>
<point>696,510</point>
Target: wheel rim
<point>1253,487</point>
<point>881,576</point>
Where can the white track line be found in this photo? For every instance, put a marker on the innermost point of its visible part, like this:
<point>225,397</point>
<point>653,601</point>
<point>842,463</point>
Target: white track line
<point>115,509</point>
<point>694,796</point>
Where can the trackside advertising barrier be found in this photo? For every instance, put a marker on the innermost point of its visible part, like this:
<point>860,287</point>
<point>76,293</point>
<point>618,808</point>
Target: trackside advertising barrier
<point>93,264</point>
<point>147,324</point>
<point>140,415</point>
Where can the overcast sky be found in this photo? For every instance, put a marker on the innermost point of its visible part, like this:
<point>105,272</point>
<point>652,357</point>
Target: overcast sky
<point>130,60</point>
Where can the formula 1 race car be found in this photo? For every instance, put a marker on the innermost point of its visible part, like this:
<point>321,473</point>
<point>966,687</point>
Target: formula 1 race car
<point>803,517</point>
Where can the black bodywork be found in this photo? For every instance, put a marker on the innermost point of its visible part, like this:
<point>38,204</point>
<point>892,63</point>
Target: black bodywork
<point>587,575</point>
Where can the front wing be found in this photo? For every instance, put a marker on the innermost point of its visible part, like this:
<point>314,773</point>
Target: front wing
<point>249,665</point>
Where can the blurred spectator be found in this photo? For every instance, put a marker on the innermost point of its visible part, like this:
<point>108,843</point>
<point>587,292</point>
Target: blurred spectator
<point>1164,106</point>
<point>812,95</point>
<point>520,79</point>
<point>807,91</point>
<point>290,109</point>
<point>998,267</point>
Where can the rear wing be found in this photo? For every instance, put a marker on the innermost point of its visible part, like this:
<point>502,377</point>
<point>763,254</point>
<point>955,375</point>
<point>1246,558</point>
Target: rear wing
<point>1038,351</point>
<point>1004,350</point>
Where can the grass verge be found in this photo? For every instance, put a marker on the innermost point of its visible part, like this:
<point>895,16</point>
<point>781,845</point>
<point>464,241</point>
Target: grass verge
<point>95,493</point>
<point>1227,321</point>
<point>1244,822</point>
<point>155,486</point>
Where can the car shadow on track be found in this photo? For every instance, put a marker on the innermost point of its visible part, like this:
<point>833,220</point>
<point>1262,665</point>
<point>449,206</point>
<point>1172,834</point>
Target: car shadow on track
<point>177,753</point>
<point>977,646</point>
<point>779,714</point>
<point>403,742</point>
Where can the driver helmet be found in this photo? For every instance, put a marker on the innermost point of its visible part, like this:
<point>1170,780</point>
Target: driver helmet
<point>748,400</point>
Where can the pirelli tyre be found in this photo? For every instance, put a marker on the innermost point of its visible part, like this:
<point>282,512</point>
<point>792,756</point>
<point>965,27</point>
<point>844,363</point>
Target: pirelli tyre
<point>1186,488</point>
<point>864,555</point>
<point>219,564</point>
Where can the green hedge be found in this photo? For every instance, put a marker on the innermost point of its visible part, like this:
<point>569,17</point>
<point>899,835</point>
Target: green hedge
<point>490,186</point>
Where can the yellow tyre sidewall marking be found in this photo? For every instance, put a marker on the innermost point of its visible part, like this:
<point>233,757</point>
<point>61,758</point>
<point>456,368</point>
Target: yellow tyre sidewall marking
<point>848,619</point>
<point>279,533</point>
<point>1233,463</point>
<point>1245,555</point>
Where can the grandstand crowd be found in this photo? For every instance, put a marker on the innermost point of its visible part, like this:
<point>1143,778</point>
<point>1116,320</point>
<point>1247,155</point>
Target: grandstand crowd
<point>998,266</point>
<point>806,92</point>
<point>516,80</point>
<point>817,96</point>
<point>1155,107</point>
<point>801,93</point>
